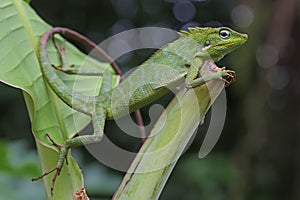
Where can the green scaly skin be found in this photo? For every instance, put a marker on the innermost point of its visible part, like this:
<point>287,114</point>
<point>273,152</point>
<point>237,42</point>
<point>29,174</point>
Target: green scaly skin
<point>174,64</point>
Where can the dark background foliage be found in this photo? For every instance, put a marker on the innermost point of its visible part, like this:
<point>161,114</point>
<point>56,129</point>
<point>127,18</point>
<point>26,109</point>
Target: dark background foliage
<point>257,156</point>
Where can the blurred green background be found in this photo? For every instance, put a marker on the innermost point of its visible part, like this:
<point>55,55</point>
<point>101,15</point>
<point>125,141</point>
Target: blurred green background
<point>258,153</point>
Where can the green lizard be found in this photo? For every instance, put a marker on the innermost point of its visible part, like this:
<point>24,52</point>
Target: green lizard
<point>175,64</point>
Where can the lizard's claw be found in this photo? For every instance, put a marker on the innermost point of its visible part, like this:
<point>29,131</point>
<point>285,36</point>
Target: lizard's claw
<point>229,78</point>
<point>67,70</point>
<point>62,49</point>
<point>57,169</point>
<point>63,155</point>
<point>62,54</point>
<point>53,142</point>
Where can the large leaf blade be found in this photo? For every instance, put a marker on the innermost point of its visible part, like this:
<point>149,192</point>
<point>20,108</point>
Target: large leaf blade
<point>20,30</point>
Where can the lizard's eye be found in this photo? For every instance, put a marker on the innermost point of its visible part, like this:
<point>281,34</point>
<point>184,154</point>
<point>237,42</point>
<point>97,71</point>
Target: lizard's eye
<point>224,34</point>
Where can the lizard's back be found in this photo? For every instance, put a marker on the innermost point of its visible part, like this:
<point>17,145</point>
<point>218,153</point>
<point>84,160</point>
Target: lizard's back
<point>162,72</point>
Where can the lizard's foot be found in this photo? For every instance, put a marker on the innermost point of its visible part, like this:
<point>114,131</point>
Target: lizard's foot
<point>68,70</point>
<point>228,77</point>
<point>61,50</point>
<point>57,169</point>
<point>63,155</point>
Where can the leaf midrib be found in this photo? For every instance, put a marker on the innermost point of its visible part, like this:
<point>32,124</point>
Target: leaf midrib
<point>30,34</point>
<point>26,23</point>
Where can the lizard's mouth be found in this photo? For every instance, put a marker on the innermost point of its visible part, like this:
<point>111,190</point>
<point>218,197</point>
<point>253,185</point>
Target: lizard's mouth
<point>233,44</point>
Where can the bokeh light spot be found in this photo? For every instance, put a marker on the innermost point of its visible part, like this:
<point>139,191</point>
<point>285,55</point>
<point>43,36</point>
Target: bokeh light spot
<point>189,24</point>
<point>242,15</point>
<point>184,11</point>
<point>278,77</point>
<point>267,56</point>
<point>122,25</point>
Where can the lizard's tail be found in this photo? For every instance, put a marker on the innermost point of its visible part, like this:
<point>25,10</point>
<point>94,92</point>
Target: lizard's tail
<point>69,96</point>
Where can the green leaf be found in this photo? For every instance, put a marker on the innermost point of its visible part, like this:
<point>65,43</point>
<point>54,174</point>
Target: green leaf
<point>20,30</point>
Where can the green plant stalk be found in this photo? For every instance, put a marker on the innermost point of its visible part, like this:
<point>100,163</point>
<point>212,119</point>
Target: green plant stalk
<point>151,168</point>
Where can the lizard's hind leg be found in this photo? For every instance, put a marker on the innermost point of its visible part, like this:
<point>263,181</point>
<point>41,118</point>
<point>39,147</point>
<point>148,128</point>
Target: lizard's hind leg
<point>98,124</point>
<point>98,119</point>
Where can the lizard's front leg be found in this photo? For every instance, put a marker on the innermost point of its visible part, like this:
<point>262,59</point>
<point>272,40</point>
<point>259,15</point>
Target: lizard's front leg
<point>228,76</point>
<point>193,71</point>
<point>192,80</point>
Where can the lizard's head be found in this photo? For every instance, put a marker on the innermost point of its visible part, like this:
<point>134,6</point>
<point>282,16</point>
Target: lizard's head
<point>216,42</point>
